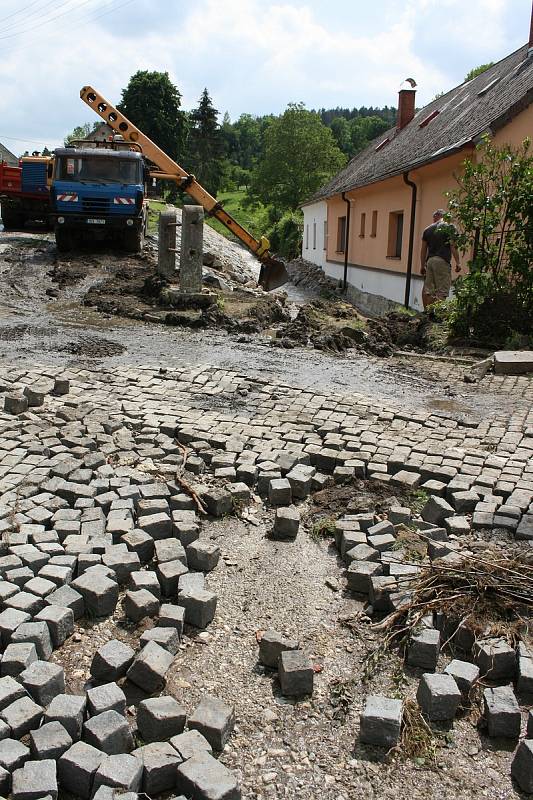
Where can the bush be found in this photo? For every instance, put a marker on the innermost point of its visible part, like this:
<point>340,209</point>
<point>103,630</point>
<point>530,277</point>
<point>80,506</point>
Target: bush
<point>286,237</point>
<point>493,207</point>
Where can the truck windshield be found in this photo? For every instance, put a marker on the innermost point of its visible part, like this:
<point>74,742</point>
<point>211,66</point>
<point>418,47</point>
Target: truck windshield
<point>98,170</point>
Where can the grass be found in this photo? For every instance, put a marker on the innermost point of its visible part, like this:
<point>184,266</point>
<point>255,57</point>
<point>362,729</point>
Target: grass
<point>418,741</point>
<point>417,500</point>
<point>155,207</point>
<point>323,527</point>
<point>410,543</point>
<point>253,219</point>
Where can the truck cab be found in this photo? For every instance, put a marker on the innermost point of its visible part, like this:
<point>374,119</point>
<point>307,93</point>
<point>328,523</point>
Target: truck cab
<point>99,192</point>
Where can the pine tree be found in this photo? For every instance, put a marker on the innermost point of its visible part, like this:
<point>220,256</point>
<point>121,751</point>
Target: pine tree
<point>205,147</point>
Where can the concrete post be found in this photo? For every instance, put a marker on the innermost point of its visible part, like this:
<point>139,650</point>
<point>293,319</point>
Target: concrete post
<point>166,255</point>
<point>192,240</point>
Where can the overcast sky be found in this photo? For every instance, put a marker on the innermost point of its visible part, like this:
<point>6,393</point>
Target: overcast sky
<point>253,56</point>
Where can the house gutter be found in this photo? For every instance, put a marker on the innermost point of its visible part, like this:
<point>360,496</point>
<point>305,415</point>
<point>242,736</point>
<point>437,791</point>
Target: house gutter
<point>411,237</point>
<point>347,241</point>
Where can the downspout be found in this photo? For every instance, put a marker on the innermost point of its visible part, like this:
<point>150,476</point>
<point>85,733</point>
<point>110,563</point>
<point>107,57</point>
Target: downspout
<point>411,237</point>
<point>346,242</point>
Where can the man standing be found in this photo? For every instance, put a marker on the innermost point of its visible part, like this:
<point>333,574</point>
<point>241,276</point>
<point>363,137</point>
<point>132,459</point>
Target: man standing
<point>435,259</point>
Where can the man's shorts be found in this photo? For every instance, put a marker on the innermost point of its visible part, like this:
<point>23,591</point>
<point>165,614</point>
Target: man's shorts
<point>438,277</point>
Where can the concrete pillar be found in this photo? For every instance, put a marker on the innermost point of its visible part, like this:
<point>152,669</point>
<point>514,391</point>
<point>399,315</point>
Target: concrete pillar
<point>166,256</point>
<point>192,241</point>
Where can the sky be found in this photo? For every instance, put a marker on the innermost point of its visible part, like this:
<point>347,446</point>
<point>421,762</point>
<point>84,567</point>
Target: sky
<point>254,56</point>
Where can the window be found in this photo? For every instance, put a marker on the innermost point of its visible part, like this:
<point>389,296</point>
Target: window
<point>98,169</point>
<point>325,234</point>
<point>363,224</point>
<point>394,249</point>
<point>374,231</point>
<point>341,235</point>
<point>307,237</point>
<point>314,235</point>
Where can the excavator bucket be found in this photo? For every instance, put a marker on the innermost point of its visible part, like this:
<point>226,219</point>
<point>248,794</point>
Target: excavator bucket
<point>273,274</point>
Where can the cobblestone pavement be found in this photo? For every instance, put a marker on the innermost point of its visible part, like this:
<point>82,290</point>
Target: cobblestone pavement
<point>76,469</point>
<point>496,451</point>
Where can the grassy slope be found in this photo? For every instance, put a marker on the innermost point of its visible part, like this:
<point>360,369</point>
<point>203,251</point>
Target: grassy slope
<point>254,220</point>
<point>153,214</point>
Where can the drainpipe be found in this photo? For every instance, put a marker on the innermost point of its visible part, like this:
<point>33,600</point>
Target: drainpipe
<point>411,237</point>
<point>347,241</point>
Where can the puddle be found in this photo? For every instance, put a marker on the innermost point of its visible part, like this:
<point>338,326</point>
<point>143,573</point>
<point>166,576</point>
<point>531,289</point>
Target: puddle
<point>73,315</point>
<point>446,405</point>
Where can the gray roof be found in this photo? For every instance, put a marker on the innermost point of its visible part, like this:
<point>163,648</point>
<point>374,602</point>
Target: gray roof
<point>484,104</point>
<point>8,156</point>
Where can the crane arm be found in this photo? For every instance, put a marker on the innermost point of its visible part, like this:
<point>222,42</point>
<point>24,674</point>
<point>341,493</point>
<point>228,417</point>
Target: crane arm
<point>273,273</point>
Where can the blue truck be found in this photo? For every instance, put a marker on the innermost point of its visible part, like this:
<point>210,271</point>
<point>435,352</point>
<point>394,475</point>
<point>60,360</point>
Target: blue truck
<point>99,193</point>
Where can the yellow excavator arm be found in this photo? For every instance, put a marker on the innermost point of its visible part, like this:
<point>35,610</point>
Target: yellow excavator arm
<point>273,273</point>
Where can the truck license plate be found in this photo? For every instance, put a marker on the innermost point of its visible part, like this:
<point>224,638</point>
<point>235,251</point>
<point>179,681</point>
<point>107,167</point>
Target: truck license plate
<point>96,221</point>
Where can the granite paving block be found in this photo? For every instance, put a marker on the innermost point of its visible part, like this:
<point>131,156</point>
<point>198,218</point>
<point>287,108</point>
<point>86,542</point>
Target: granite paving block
<point>149,667</point>
<point>381,721</point>
<point>214,719</point>
<point>112,661</point>
<point>35,780</point>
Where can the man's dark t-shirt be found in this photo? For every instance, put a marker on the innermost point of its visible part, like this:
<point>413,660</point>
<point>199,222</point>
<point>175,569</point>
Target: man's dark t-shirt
<point>438,237</point>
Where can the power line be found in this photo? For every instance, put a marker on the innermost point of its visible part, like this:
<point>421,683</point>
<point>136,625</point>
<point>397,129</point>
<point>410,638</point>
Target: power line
<point>49,20</point>
<point>60,28</point>
<point>19,139</point>
<point>20,11</point>
<point>17,22</point>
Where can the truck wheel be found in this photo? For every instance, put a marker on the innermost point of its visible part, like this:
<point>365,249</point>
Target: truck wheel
<point>63,240</point>
<point>12,219</point>
<point>134,240</point>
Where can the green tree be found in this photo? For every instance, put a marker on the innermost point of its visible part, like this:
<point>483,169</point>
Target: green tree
<point>300,154</point>
<point>478,70</point>
<point>493,207</point>
<point>248,130</point>
<point>373,126</point>
<point>82,131</point>
<point>229,138</point>
<point>341,130</point>
<point>205,146</point>
<point>152,102</point>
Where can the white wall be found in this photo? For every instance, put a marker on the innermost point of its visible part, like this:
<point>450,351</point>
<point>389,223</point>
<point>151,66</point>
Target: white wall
<point>367,283</point>
<point>313,247</point>
<point>382,284</point>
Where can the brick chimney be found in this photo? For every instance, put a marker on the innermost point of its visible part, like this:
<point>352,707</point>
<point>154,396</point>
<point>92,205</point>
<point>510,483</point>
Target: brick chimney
<point>406,103</point>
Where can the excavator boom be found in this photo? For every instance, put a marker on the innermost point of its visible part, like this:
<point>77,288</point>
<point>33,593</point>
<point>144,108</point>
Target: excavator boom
<point>273,273</point>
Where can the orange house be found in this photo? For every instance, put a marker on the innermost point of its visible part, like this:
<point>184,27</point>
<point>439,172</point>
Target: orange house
<point>364,226</point>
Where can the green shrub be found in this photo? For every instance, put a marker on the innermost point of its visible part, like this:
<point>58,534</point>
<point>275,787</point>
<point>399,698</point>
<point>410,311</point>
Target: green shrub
<point>285,235</point>
<point>493,207</point>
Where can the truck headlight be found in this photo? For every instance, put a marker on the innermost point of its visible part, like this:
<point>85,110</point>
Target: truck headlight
<point>61,220</point>
<point>129,222</point>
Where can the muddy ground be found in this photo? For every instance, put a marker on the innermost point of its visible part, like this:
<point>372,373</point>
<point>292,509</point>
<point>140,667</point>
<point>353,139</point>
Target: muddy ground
<point>44,317</point>
<point>280,749</point>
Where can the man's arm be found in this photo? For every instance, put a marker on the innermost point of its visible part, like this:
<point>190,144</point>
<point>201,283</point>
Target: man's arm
<point>423,257</point>
<point>456,256</point>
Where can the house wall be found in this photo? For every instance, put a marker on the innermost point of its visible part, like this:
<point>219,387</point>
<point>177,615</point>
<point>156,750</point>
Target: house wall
<point>516,131</point>
<point>315,214</point>
<point>372,268</point>
<point>375,277</point>
<point>7,156</point>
